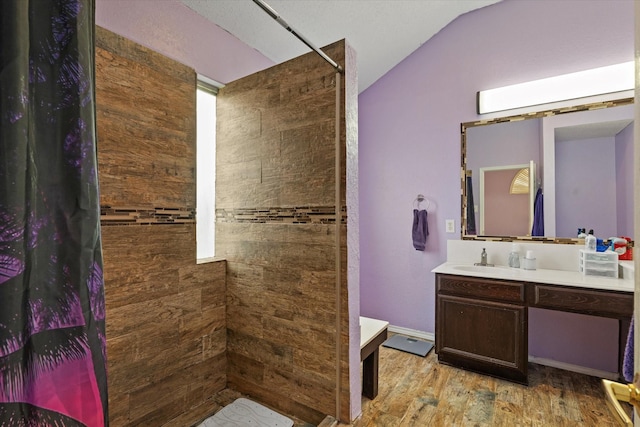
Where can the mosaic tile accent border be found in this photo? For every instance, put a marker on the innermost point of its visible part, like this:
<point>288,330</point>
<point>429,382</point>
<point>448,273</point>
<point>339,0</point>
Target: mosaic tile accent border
<point>547,113</point>
<point>110,216</point>
<point>524,239</point>
<point>293,215</point>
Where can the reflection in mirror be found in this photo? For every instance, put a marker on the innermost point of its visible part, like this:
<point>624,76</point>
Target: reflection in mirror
<point>589,158</point>
<point>580,158</point>
<point>509,186</point>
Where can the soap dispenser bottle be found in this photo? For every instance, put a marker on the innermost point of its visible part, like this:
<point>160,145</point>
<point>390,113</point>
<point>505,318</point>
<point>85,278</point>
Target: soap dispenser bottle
<point>483,257</point>
<point>590,242</point>
<point>514,256</point>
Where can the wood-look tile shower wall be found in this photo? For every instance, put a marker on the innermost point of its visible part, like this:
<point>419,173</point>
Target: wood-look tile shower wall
<point>275,208</point>
<point>166,335</point>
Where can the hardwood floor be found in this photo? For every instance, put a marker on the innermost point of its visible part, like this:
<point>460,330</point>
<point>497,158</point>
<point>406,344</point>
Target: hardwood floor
<point>418,391</point>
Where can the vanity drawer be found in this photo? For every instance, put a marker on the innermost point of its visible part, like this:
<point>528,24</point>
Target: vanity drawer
<point>475,287</point>
<point>586,301</point>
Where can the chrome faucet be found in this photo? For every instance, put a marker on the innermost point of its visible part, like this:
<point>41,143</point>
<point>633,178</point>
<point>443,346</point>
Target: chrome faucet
<point>483,259</point>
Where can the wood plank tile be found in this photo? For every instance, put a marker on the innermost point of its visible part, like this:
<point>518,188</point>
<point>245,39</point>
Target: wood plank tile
<point>145,105</point>
<point>416,391</point>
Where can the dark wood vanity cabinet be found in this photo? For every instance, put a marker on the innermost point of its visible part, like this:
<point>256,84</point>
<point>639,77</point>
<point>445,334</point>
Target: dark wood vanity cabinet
<point>481,325</point>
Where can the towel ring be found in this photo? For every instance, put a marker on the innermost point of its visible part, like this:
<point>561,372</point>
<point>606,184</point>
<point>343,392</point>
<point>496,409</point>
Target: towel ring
<point>419,199</point>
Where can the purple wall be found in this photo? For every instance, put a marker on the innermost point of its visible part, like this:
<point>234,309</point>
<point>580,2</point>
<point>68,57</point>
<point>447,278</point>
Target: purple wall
<point>583,339</point>
<point>586,187</point>
<point>624,181</point>
<point>171,28</point>
<point>410,135</point>
<point>503,144</point>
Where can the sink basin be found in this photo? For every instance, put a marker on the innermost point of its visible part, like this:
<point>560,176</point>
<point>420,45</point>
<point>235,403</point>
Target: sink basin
<point>479,268</point>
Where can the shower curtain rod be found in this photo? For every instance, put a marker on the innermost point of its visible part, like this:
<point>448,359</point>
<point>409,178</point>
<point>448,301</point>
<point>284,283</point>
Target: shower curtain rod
<point>282,22</point>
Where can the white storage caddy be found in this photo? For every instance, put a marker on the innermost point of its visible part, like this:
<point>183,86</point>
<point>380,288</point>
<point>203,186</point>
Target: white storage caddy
<point>604,264</point>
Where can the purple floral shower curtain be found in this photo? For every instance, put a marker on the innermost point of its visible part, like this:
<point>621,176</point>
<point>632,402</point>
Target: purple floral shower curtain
<point>52,316</point>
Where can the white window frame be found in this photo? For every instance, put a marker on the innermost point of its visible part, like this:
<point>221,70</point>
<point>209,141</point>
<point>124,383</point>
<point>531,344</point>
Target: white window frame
<point>205,170</point>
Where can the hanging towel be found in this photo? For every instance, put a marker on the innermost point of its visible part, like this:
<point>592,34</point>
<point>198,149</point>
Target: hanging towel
<point>627,360</point>
<point>538,215</point>
<point>471,214</point>
<point>420,229</point>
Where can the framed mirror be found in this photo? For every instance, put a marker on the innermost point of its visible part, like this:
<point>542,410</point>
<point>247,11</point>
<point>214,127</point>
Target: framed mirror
<point>579,165</point>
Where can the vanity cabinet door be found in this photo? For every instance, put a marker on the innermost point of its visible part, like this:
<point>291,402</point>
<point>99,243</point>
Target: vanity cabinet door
<point>482,333</point>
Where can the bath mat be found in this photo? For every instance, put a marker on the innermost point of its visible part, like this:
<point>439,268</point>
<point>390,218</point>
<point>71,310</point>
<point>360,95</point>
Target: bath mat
<point>246,413</point>
<point>409,345</point>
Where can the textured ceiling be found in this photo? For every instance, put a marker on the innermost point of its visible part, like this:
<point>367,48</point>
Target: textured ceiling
<point>382,32</point>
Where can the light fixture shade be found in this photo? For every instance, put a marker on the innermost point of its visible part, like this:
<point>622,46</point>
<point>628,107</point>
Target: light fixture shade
<point>597,81</point>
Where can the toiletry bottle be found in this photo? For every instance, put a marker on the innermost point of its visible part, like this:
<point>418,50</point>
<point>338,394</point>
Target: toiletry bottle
<point>529,261</point>
<point>590,242</point>
<point>514,256</point>
<point>627,255</point>
<point>581,233</point>
<point>619,245</point>
<point>483,257</point>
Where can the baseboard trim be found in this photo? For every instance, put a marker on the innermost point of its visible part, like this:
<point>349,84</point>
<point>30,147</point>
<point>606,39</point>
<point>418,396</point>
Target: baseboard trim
<point>574,368</point>
<point>533,359</point>
<point>412,333</point>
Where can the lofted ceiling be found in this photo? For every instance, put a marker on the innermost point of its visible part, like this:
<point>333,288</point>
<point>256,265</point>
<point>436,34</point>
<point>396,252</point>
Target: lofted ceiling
<point>382,32</point>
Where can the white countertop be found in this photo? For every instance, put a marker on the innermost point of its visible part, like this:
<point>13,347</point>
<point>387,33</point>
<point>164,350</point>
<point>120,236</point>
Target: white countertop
<point>553,277</point>
<point>369,328</point>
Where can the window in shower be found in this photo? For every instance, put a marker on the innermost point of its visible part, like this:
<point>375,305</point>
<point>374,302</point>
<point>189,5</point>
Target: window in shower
<point>206,171</point>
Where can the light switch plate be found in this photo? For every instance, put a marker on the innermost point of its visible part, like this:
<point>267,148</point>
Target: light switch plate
<point>450,226</point>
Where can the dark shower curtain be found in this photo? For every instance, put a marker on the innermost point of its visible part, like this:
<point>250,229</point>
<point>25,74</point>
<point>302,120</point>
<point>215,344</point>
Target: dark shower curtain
<point>52,316</point>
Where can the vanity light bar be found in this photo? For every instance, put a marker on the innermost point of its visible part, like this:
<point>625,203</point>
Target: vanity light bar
<point>597,81</point>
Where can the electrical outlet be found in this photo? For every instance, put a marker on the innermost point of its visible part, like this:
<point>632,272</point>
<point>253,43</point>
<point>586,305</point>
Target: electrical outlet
<point>450,226</point>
